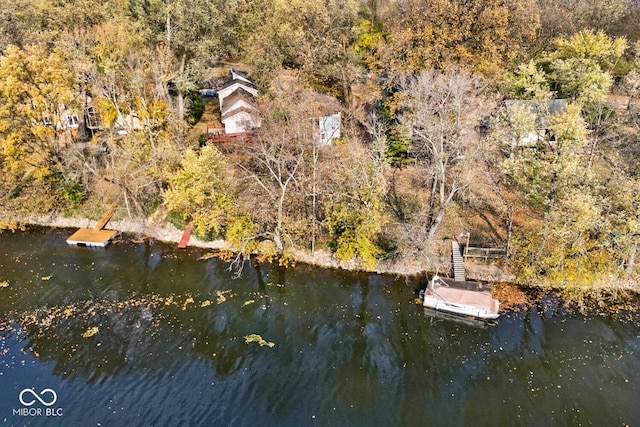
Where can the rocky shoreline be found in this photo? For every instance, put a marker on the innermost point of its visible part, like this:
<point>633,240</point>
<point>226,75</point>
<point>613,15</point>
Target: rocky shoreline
<point>157,228</point>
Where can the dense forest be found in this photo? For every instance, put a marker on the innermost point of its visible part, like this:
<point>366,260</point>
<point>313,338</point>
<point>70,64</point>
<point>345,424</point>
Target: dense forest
<point>516,121</point>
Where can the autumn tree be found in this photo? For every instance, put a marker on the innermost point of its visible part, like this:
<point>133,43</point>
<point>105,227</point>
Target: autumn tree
<point>35,89</point>
<point>199,190</point>
<point>620,199</point>
<point>482,35</point>
<point>558,184</point>
<point>314,37</point>
<point>30,22</point>
<point>581,65</point>
<point>271,165</point>
<point>443,112</point>
<point>354,204</point>
<point>144,136</point>
<point>196,32</point>
<point>560,18</point>
<point>528,81</point>
<point>578,67</point>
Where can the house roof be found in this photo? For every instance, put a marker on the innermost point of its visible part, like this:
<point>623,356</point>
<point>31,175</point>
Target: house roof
<point>542,109</point>
<point>236,111</point>
<point>323,104</point>
<point>242,82</point>
<point>239,75</point>
<point>236,96</point>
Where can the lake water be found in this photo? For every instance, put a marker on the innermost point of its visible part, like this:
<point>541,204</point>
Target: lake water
<point>144,334</point>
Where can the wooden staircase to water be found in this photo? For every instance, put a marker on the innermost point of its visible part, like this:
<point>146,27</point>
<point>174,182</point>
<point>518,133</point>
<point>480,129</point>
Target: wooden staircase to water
<point>458,262</point>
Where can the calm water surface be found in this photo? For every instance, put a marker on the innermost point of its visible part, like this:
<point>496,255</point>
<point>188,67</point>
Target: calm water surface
<point>141,334</point>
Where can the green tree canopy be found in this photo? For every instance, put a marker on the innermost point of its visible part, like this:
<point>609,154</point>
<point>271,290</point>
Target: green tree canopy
<point>578,68</point>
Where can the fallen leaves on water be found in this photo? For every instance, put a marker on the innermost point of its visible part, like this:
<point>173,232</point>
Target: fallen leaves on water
<point>4,284</point>
<point>511,297</point>
<point>205,303</point>
<point>222,254</point>
<point>90,332</point>
<point>257,338</point>
<point>187,301</point>
<point>221,296</point>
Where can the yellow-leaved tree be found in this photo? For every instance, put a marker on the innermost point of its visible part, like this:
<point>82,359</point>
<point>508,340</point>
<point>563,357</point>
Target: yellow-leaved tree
<point>35,89</point>
<point>35,97</point>
<point>354,206</point>
<point>483,35</point>
<point>199,190</point>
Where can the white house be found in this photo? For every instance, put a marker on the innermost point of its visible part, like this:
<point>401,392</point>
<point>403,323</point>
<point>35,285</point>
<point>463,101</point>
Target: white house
<point>238,113</point>
<point>327,128</point>
<point>530,119</point>
<point>237,110</point>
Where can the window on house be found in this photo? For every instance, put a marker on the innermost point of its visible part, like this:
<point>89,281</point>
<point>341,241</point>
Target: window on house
<point>72,120</point>
<point>92,118</point>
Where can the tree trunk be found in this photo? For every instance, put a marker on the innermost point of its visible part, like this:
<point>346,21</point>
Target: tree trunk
<point>277,238</point>
<point>632,258</point>
<point>436,223</point>
<point>183,60</point>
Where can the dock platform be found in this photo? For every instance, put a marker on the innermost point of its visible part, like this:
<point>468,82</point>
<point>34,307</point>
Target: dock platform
<point>95,236</point>
<point>91,237</point>
<point>185,236</point>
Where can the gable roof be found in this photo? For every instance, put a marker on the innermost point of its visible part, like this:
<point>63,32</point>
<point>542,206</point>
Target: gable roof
<point>239,75</point>
<point>234,112</point>
<point>240,82</point>
<point>236,97</point>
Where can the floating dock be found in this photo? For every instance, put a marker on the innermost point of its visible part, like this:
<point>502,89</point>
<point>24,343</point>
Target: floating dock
<point>95,236</point>
<point>91,237</point>
<point>185,236</point>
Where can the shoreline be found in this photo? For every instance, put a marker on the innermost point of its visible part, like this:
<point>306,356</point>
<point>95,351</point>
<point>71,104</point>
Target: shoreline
<point>157,228</point>
<point>616,298</point>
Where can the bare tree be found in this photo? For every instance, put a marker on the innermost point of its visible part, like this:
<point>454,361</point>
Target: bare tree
<point>443,112</point>
<point>271,163</point>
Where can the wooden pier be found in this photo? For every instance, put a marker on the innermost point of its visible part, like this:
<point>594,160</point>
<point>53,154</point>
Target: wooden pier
<point>458,262</point>
<point>95,236</point>
<point>186,236</point>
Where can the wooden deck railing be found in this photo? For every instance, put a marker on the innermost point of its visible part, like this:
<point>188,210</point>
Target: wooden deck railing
<point>476,252</point>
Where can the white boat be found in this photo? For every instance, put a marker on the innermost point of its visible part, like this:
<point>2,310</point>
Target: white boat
<point>440,296</point>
